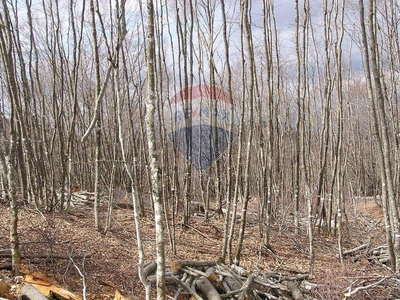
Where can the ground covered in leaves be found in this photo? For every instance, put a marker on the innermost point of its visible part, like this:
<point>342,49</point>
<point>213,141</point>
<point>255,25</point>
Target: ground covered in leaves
<point>67,249</point>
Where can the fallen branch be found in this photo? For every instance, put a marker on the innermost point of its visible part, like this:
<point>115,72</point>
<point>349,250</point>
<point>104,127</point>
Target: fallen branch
<point>280,278</point>
<point>52,256</point>
<point>356,249</point>
<point>363,288</point>
<point>198,231</point>
<point>187,287</point>
<point>246,287</point>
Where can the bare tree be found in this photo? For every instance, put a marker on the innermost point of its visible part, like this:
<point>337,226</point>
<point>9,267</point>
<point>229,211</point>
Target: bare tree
<point>9,158</point>
<point>153,160</point>
<point>378,103</point>
<point>246,27</point>
<point>301,181</point>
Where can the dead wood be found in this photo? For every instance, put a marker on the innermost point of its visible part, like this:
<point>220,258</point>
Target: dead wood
<point>380,253</point>
<point>231,284</point>
<point>210,272</point>
<point>192,263</point>
<point>6,266</point>
<point>123,205</point>
<point>246,286</point>
<point>230,272</point>
<point>204,285</point>
<point>294,290</point>
<point>281,278</point>
<point>213,278</point>
<point>52,256</point>
<point>266,295</point>
<point>271,285</point>
<point>215,281</point>
<point>29,292</point>
<point>149,269</point>
<point>364,287</point>
<point>187,287</point>
<point>356,249</point>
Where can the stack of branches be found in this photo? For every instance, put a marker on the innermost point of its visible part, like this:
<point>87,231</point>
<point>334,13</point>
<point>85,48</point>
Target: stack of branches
<point>213,281</point>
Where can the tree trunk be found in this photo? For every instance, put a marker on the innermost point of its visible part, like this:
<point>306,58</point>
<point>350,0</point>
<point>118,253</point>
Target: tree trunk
<point>246,26</point>
<point>10,162</point>
<point>153,161</point>
<point>370,56</point>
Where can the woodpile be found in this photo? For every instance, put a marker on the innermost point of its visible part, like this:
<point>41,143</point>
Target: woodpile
<point>214,280</point>
<point>380,254</point>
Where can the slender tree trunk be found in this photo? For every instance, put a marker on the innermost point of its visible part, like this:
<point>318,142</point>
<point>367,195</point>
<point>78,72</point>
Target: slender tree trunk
<point>10,162</point>
<point>246,25</point>
<point>383,127</point>
<point>154,169</point>
<point>297,172</point>
<point>97,118</point>
<point>229,155</point>
<point>339,22</point>
<point>373,76</point>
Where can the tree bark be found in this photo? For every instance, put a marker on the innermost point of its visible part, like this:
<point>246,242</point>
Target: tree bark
<point>29,292</point>
<point>389,205</point>
<point>246,27</point>
<point>153,161</point>
<point>10,162</point>
<point>204,285</point>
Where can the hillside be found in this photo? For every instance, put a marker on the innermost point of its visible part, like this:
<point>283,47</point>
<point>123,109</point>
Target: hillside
<point>59,245</point>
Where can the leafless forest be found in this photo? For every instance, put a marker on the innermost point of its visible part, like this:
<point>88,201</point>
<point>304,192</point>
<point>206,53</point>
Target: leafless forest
<point>86,89</point>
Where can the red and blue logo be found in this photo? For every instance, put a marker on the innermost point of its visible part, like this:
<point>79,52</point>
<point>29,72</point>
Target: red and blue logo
<point>201,124</point>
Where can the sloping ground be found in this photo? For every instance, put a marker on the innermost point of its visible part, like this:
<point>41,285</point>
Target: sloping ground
<point>66,247</point>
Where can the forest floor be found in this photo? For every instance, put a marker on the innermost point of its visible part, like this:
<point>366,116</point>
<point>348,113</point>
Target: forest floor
<point>66,248</point>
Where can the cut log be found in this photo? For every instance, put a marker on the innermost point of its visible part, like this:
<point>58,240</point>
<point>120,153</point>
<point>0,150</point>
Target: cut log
<point>215,281</point>
<point>294,290</point>
<point>149,269</point>
<point>231,283</point>
<point>213,278</point>
<point>192,263</point>
<point>205,286</point>
<point>240,270</point>
<point>356,249</point>
<point>29,292</point>
<point>307,285</point>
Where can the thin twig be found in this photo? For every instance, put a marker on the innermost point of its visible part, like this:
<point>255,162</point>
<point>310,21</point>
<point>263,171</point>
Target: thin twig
<point>198,231</point>
<point>83,277</point>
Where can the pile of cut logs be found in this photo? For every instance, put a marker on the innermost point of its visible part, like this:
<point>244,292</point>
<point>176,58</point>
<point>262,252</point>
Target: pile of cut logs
<point>380,253</point>
<point>212,280</point>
